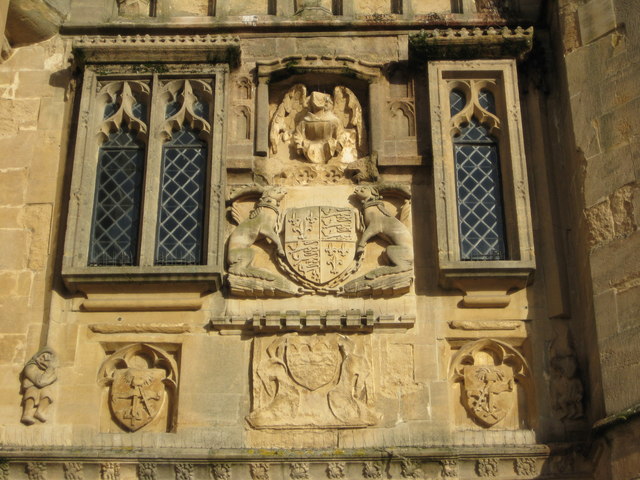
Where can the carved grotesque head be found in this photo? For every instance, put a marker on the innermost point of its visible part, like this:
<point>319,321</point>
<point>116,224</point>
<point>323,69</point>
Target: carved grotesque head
<point>274,194</point>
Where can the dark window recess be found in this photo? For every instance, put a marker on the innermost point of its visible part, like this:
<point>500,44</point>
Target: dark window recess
<point>116,212</point>
<point>396,7</point>
<point>182,196</point>
<point>479,193</point>
<point>272,7</point>
<point>336,7</point>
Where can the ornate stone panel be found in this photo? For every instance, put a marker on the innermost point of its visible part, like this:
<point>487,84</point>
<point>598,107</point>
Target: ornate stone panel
<point>312,381</point>
<point>142,381</point>
<point>493,379</point>
<point>319,246</point>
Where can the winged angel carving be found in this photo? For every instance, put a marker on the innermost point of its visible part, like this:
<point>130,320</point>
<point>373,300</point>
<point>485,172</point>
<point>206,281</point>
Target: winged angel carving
<point>326,131</point>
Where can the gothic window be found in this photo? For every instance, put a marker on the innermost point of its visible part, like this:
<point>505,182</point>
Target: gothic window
<point>148,181</point>
<point>483,212</point>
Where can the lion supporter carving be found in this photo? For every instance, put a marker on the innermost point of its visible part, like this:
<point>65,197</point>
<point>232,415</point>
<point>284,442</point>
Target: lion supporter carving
<point>297,241</point>
<point>312,381</point>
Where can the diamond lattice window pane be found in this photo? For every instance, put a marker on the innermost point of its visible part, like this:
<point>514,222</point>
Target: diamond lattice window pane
<point>181,218</point>
<point>479,191</point>
<point>457,101</point>
<point>487,100</point>
<point>114,233</point>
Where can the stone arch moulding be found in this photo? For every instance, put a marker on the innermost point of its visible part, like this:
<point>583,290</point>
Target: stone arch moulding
<point>494,381</point>
<point>143,386</point>
<point>269,71</point>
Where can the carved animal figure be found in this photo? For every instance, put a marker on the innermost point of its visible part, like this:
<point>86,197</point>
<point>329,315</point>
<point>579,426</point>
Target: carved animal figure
<point>262,222</point>
<point>379,222</point>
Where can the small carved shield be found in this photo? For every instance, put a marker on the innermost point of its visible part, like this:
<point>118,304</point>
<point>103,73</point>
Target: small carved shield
<point>487,390</point>
<point>320,242</point>
<point>137,396</point>
<point>313,362</point>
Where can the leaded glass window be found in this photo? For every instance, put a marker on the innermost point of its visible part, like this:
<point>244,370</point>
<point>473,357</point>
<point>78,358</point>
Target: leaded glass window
<point>116,219</point>
<point>181,216</point>
<point>478,185</point>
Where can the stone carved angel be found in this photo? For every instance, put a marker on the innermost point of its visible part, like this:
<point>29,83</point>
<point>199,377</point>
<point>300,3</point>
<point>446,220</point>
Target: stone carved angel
<point>323,128</point>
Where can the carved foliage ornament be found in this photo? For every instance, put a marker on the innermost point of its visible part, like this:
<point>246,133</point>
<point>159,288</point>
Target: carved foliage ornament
<point>489,370</point>
<point>147,471</point>
<point>37,378</point>
<point>142,379</point>
<point>221,471</point>
<point>321,246</point>
<point>324,131</point>
<point>311,381</point>
<point>73,471</point>
<point>110,471</point>
<point>487,467</point>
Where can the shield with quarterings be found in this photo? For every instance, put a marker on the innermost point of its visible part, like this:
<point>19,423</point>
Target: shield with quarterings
<point>320,243</point>
<point>313,362</point>
<point>488,391</point>
<point>137,396</point>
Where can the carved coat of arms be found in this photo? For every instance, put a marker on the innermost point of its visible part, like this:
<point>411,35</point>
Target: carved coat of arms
<point>137,396</point>
<point>311,381</point>
<point>484,388</point>
<point>320,243</point>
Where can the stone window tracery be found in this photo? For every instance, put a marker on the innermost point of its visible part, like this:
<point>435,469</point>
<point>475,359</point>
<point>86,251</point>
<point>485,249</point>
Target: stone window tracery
<point>147,181</point>
<point>485,242</point>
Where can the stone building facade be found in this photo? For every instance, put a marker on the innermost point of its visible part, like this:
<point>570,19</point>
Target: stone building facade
<point>309,239</point>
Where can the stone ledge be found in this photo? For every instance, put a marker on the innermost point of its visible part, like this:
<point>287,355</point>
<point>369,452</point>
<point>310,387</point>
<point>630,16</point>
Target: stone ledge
<point>311,321</point>
<point>463,43</point>
<point>157,48</point>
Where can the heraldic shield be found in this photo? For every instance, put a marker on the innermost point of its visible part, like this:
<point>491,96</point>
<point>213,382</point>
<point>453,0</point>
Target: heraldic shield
<point>320,243</point>
<point>488,390</point>
<point>137,396</point>
<point>313,363</point>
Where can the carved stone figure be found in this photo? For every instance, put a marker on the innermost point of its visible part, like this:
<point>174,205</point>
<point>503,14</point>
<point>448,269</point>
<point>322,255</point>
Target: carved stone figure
<point>315,137</point>
<point>487,467</point>
<point>143,384</point>
<point>244,278</point>
<point>489,371</point>
<point>565,386</point>
<point>110,471</point>
<point>314,381</point>
<point>38,375</point>
<point>380,223</point>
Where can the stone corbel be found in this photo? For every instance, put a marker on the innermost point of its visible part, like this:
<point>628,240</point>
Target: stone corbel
<point>484,286</point>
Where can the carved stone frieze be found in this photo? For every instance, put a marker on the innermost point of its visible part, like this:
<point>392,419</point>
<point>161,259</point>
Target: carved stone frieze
<point>36,470</point>
<point>110,471</point>
<point>336,470</point>
<point>320,247</point>
<point>525,466</point>
<point>372,470</point>
<point>312,320</point>
<point>312,381</point>
<point>142,381</point>
<point>37,378</point>
<point>488,371</point>
<point>449,468</point>
<point>73,471</point>
<point>147,471</point>
<point>184,471</point>
<point>4,470</point>
<point>299,471</point>
<point>410,469</point>
<point>487,467</point>
<point>259,471</point>
<point>221,471</point>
